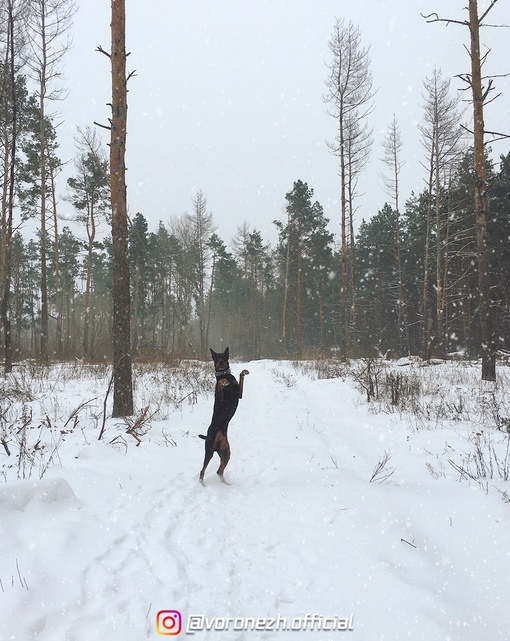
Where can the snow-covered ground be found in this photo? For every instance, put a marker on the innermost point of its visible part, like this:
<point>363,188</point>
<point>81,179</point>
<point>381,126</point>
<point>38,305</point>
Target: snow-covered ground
<point>115,539</point>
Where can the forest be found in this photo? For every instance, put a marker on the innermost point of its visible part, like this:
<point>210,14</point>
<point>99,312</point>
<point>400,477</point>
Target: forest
<point>404,281</point>
<point>368,487</point>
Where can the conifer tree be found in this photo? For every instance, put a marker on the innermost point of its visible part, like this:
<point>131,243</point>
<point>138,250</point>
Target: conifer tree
<point>305,257</point>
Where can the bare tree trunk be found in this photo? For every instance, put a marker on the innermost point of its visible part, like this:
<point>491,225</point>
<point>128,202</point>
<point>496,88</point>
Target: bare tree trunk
<point>392,147</point>
<point>4,91</point>
<point>58,303</point>
<point>446,279</point>
<point>299,315</point>
<point>352,320</point>
<point>91,236</point>
<point>479,95</point>
<point>403,325</point>
<point>4,307</point>
<point>209,305</point>
<point>286,287</point>
<point>485,307</point>
<point>44,350</point>
<point>440,349</point>
<point>135,280</point>
<point>202,229</point>
<point>426,337</point>
<point>121,332</point>
<point>344,285</point>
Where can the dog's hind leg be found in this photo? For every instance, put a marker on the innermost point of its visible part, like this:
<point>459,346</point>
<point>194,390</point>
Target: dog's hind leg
<point>224,452</point>
<point>209,451</point>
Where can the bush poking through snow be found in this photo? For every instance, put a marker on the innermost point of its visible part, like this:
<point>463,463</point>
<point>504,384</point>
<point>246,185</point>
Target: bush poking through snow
<point>324,368</point>
<point>487,460</point>
<point>382,473</point>
<point>367,373</point>
<point>140,425</point>
<point>29,444</point>
<point>176,385</point>
<point>21,579</point>
<point>286,378</point>
<point>39,408</point>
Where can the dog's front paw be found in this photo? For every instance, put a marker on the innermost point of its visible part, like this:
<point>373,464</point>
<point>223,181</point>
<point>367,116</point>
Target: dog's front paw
<point>223,382</point>
<point>244,372</point>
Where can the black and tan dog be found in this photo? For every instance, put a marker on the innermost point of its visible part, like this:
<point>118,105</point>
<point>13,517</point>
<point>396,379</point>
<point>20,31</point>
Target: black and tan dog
<point>226,398</point>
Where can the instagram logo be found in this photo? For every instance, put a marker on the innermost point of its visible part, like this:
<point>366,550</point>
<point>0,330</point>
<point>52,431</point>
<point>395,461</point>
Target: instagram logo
<point>169,622</point>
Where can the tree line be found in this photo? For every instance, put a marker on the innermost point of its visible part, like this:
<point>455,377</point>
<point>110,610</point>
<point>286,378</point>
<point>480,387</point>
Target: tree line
<point>407,281</point>
<point>189,289</point>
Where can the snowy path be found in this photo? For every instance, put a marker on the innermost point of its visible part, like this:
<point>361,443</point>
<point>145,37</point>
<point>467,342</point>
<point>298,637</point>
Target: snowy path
<point>107,542</point>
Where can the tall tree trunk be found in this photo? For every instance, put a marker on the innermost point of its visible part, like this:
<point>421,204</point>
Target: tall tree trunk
<point>403,325</point>
<point>209,304</point>
<point>344,285</point>
<point>440,348</point>
<point>299,305</point>
<point>136,291</point>
<point>485,307</point>
<point>392,147</point>
<point>5,90</point>
<point>58,302</point>
<point>426,323</point>
<point>121,331</point>
<point>286,287</point>
<point>91,236</point>
<point>351,331</point>
<point>44,350</point>
<point>446,279</point>
<point>7,238</point>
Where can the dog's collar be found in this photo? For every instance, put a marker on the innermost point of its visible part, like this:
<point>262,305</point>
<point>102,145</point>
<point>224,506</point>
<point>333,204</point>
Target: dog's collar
<point>225,372</point>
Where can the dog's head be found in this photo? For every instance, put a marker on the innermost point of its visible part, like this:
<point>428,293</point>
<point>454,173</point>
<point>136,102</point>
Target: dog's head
<point>220,361</point>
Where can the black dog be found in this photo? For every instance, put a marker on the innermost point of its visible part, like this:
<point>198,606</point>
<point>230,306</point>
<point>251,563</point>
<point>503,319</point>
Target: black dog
<point>226,398</point>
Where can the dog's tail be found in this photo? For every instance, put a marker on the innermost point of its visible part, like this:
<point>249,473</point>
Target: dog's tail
<point>202,436</point>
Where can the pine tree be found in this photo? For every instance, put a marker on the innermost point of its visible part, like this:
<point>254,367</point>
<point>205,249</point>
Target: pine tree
<point>378,285</point>
<point>350,95</point>
<point>121,332</point>
<point>90,195</point>
<point>305,256</point>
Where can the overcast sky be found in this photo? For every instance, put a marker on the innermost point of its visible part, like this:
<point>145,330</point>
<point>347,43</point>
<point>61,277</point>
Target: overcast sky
<point>228,98</point>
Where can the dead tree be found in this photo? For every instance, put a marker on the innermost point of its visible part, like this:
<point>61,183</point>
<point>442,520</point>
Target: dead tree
<point>392,146</point>
<point>350,96</point>
<point>442,142</point>
<point>49,24</point>
<point>7,231</point>
<point>480,96</point>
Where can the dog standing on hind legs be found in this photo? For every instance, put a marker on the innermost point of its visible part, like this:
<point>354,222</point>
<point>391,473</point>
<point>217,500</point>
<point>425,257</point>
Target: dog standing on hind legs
<point>226,399</point>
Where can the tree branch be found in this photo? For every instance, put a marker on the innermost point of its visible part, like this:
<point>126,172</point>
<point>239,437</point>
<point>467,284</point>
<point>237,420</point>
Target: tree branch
<point>429,18</point>
<point>499,136</point>
<point>465,77</point>
<point>101,50</point>
<point>487,11</point>
<point>103,126</point>
<point>496,135</point>
<point>490,87</point>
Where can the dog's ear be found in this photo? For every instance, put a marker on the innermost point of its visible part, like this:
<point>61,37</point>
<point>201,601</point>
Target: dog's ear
<point>213,354</point>
<point>225,353</point>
